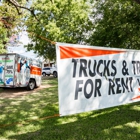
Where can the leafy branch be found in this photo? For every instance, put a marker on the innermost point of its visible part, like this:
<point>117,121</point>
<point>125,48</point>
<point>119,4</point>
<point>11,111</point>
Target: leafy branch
<point>18,6</point>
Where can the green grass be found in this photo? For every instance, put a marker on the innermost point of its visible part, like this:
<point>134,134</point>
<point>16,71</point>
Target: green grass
<point>27,118</point>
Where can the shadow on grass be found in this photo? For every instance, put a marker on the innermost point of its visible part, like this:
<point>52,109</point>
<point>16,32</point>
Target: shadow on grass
<point>117,123</point>
<point>114,125</point>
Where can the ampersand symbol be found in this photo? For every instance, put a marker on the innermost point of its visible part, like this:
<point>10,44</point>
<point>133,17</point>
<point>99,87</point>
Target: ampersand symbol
<point>124,69</point>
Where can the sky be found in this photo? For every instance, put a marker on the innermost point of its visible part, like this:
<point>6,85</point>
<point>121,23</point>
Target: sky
<point>19,48</point>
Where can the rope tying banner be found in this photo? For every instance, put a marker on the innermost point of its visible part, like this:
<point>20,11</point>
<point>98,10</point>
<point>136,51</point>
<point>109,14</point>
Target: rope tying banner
<point>44,38</point>
<point>47,117</point>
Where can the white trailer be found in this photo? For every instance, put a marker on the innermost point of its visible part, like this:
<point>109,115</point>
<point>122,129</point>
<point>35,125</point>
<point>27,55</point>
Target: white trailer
<point>19,71</point>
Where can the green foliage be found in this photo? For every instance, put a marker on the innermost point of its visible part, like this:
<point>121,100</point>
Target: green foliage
<point>3,39</point>
<point>116,24</point>
<point>59,21</point>
<point>9,19</point>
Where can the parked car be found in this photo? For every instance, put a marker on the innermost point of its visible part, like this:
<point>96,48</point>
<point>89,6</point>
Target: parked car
<point>46,71</point>
<point>49,71</point>
<point>54,72</point>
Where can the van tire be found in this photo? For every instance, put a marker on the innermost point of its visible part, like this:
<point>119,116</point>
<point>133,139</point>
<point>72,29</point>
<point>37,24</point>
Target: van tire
<point>31,84</point>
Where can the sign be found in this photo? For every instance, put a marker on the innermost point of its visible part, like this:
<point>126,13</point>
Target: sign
<point>91,78</point>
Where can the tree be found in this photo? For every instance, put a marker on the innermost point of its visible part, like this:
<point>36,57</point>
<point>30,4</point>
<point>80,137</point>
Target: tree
<point>59,21</point>
<point>116,24</point>
<point>10,18</point>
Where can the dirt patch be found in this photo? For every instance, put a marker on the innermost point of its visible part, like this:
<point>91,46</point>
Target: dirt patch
<point>16,92</point>
<point>22,91</point>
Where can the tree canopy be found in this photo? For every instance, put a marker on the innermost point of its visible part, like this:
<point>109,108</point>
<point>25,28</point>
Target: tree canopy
<point>100,23</point>
<point>10,18</point>
<point>59,21</point>
<point>116,24</point>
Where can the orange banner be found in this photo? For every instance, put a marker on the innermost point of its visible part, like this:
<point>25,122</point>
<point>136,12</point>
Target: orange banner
<point>73,52</point>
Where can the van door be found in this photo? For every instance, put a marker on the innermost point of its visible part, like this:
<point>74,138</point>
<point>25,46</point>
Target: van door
<point>7,72</point>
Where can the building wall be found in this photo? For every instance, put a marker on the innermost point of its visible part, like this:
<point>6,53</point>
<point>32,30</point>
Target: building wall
<point>49,63</point>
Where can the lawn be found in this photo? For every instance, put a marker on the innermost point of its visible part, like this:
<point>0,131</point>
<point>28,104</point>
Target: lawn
<point>34,117</point>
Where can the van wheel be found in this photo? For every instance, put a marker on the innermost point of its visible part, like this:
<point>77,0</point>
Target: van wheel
<point>31,84</point>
